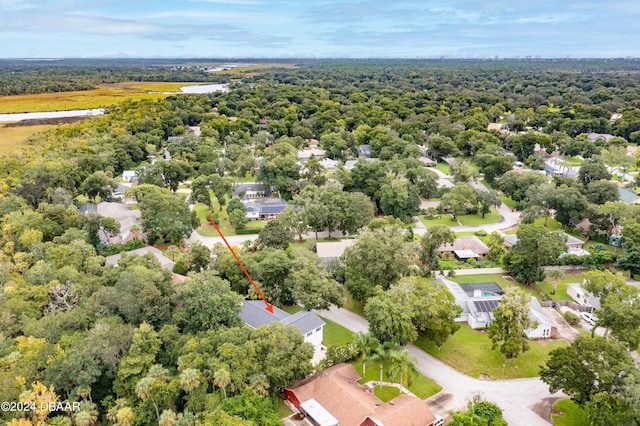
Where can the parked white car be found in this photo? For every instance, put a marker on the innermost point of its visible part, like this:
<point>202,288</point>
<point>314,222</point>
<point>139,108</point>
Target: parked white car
<point>588,318</point>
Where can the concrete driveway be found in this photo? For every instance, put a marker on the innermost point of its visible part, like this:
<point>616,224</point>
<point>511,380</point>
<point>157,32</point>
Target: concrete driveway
<point>523,401</point>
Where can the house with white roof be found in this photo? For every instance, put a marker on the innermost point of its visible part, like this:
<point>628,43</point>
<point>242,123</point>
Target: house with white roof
<point>129,176</point>
<point>255,314</point>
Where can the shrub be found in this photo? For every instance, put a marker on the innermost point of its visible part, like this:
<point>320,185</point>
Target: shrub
<point>572,319</point>
<point>480,233</point>
<point>338,354</point>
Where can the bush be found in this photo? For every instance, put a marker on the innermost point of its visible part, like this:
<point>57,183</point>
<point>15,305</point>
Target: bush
<point>572,319</point>
<point>338,354</point>
<point>480,233</point>
<point>180,268</point>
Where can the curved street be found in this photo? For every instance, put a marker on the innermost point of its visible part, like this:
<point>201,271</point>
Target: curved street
<point>520,399</point>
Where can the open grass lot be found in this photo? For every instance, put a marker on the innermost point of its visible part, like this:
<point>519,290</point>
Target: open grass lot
<point>102,96</point>
<point>14,138</point>
<point>385,393</point>
<point>206,229</point>
<point>283,410</point>
<point>467,219</point>
<point>469,351</point>
<point>421,386</point>
<point>572,414</point>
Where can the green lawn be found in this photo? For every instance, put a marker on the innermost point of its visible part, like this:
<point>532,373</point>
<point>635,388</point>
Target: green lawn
<point>561,291</point>
<point>283,410</point>
<point>467,219</point>
<point>333,334</point>
<point>572,414</point>
<point>469,351</point>
<point>508,202</point>
<point>353,305</point>
<point>421,386</point>
<point>386,393</point>
<point>552,224</point>
<point>476,219</point>
<point>206,229</point>
<point>443,167</point>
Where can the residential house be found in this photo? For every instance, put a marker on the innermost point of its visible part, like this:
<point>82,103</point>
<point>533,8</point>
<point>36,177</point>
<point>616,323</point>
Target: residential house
<point>427,161</point>
<point>496,126</point>
<point>312,143</point>
<point>175,139</point>
<point>255,314</point>
<point>479,300</point>
<point>305,154</point>
<point>264,208</point>
<point>583,225</point>
<point>627,195</point>
<point>165,262</point>
<point>328,163</point>
<point>582,296</point>
<point>350,164</point>
<point>251,190</point>
<point>592,137</point>
<point>465,247</point>
<point>129,176</point>
<point>129,220</point>
<point>572,242</point>
<point>556,167</point>
<point>332,250</point>
<point>334,397</point>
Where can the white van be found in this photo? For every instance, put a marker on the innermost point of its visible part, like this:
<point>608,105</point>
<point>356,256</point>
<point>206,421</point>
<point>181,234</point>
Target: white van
<point>588,318</point>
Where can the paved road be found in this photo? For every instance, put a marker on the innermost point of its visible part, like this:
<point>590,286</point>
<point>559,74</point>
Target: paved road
<point>518,398</point>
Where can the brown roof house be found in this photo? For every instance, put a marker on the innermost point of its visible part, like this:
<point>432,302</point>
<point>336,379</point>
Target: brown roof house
<point>465,247</point>
<point>333,397</point>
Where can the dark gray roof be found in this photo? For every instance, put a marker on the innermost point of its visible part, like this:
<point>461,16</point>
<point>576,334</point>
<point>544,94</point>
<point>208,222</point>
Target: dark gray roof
<point>486,306</point>
<point>88,207</point>
<point>255,314</point>
<point>304,321</point>
<point>273,209</point>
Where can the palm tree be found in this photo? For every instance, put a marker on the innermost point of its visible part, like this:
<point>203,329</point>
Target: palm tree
<point>364,343</point>
<point>381,354</point>
<point>259,385</point>
<point>222,378</point>
<point>402,364</point>
<point>190,379</point>
<point>555,276</point>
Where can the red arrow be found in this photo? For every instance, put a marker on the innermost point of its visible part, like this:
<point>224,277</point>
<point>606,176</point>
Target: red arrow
<point>269,306</point>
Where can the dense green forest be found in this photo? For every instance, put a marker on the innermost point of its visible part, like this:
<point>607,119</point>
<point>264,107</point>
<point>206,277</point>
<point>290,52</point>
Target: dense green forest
<point>135,348</point>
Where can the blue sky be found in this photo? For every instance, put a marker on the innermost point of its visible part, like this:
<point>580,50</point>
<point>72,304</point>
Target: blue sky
<point>318,28</point>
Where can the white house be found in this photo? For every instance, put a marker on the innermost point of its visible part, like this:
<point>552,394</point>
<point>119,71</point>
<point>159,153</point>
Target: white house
<point>582,296</point>
<point>129,176</point>
<point>478,301</point>
<point>255,314</point>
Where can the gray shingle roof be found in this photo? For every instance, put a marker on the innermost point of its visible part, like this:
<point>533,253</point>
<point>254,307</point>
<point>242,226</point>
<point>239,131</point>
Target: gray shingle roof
<point>304,321</point>
<point>254,314</point>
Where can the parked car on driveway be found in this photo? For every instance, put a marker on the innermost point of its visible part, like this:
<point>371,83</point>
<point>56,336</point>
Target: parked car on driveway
<point>588,318</point>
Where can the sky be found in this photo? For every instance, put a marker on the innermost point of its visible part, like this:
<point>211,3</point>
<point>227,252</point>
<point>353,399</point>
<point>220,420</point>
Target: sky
<point>319,28</point>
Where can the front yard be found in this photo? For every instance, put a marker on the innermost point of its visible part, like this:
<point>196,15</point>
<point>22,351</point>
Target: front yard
<point>469,351</point>
<point>466,220</point>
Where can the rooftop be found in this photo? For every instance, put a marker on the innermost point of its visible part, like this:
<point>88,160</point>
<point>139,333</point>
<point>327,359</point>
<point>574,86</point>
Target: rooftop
<point>333,249</point>
<point>255,314</point>
<point>165,262</point>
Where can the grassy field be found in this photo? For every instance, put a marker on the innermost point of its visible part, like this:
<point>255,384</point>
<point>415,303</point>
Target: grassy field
<point>572,414</point>
<point>354,306</point>
<point>561,291</point>
<point>13,138</point>
<point>206,229</point>
<point>467,219</point>
<point>444,168</point>
<point>421,386</point>
<point>102,96</point>
<point>469,351</point>
<point>386,393</point>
